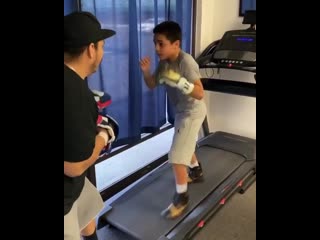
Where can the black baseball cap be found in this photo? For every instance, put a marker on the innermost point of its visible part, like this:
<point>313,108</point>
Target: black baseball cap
<point>82,28</point>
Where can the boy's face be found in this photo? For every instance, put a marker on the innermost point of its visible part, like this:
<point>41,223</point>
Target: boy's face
<point>164,48</point>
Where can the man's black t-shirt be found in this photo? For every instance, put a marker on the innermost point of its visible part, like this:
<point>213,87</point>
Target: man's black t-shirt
<point>80,116</point>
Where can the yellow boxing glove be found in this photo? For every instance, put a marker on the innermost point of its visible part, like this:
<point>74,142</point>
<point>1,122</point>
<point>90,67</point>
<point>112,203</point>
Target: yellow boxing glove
<point>172,75</point>
<point>174,79</point>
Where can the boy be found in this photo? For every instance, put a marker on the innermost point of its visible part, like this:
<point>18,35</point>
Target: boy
<point>179,72</point>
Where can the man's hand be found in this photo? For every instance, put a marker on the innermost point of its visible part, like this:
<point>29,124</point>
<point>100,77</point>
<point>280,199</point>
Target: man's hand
<point>110,125</point>
<point>102,132</point>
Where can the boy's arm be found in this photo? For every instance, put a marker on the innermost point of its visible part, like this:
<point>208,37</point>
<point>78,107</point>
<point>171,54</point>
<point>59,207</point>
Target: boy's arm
<point>191,72</point>
<point>198,91</point>
<point>190,83</point>
<point>149,79</point>
<point>192,88</point>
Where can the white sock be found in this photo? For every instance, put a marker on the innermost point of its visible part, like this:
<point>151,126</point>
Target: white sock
<point>194,164</point>
<point>181,188</point>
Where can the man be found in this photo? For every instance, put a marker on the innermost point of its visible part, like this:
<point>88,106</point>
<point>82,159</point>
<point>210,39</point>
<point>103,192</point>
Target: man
<point>83,140</point>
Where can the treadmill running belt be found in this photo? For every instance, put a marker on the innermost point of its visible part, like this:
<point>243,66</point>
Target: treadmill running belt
<point>137,212</point>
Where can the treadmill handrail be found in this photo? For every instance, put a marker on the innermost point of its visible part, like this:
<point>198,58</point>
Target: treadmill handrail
<point>223,66</point>
<point>229,86</point>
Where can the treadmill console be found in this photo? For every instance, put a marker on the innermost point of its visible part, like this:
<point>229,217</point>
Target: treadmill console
<point>237,48</point>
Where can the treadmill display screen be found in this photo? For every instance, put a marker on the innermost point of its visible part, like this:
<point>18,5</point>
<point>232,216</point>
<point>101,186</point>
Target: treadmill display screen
<point>238,40</point>
<point>244,39</point>
<point>236,48</point>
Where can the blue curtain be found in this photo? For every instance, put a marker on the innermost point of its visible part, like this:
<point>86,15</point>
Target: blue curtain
<point>181,12</point>
<point>247,5</point>
<point>70,6</point>
<point>136,108</point>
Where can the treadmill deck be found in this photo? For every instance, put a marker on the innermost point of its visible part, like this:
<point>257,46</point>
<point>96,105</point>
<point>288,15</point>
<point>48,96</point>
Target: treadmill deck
<point>137,212</point>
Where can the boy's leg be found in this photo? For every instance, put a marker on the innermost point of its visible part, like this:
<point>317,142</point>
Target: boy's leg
<point>184,142</point>
<point>180,155</point>
<point>180,173</point>
<point>194,160</point>
<point>195,173</point>
<point>180,198</point>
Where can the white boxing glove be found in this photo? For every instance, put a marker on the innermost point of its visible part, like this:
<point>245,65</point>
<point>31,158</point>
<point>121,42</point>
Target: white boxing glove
<point>174,79</point>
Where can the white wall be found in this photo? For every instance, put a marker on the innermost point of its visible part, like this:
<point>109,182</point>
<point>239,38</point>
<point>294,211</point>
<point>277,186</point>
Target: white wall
<point>226,112</point>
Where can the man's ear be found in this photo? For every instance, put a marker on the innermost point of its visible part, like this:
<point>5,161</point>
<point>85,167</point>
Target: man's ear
<point>90,50</point>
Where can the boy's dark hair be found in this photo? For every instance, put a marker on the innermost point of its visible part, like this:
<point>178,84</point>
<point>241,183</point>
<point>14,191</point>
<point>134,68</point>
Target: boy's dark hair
<point>170,29</point>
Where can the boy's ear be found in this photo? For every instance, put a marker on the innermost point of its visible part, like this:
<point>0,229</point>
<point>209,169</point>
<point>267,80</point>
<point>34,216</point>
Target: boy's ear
<point>177,43</point>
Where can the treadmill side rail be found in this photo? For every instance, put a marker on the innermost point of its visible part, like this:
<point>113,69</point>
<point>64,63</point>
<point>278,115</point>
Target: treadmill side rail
<point>245,147</point>
<point>189,226</point>
<point>163,238</point>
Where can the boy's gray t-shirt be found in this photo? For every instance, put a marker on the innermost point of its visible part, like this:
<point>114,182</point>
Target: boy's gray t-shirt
<point>188,68</point>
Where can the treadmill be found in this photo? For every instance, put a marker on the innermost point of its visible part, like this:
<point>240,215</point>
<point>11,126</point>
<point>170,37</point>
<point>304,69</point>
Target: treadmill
<point>228,161</point>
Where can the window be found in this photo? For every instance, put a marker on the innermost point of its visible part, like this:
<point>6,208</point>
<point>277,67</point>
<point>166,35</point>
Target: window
<point>246,5</point>
<point>137,109</point>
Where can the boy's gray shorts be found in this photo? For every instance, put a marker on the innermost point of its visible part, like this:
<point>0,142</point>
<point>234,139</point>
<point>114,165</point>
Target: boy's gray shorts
<point>186,132</point>
<point>85,209</point>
